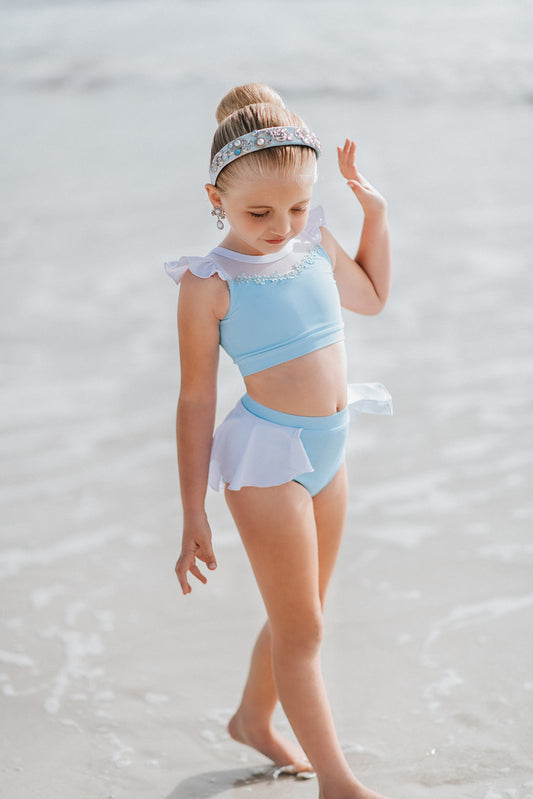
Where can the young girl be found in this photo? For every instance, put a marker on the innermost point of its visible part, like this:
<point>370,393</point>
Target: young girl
<point>270,295</point>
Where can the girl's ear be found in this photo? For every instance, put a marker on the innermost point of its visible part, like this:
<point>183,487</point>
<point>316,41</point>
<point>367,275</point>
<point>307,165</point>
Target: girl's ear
<point>213,194</point>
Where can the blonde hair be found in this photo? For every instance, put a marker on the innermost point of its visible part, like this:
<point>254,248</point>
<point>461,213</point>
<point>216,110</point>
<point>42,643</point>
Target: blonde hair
<point>251,107</point>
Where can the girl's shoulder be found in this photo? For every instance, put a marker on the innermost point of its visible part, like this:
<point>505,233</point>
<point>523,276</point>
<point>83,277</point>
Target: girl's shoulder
<point>204,295</point>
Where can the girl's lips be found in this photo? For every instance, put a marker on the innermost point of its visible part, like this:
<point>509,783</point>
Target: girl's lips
<point>275,241</point>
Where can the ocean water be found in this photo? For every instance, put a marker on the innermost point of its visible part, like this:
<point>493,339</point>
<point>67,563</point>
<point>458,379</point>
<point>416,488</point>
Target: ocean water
<point>413,50</point>
<point>106,674</point>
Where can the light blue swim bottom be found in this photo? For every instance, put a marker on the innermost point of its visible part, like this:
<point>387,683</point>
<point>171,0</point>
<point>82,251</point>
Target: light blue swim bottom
<point>258,446</point>
<point>323,438</point>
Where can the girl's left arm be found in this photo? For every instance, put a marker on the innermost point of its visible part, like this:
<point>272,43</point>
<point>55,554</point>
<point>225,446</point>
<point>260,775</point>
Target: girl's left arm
<point>363,281</point>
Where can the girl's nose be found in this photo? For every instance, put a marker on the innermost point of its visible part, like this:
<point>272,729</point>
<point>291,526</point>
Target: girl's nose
<point>281,225</point>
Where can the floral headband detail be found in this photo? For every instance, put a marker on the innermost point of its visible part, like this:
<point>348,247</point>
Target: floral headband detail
<point>261,140</point>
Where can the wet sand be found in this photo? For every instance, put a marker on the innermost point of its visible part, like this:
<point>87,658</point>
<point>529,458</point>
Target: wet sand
<point>113,685</point>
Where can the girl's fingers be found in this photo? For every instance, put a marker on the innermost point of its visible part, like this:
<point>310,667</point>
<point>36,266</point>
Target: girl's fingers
<point>346,157</point>
<point>208,557</point>
<point>348,151</point>
<point>349,148</point>
<point>197,573</point>
<point>185,565</point>
<point>182,579</point>
<point>188,564</point>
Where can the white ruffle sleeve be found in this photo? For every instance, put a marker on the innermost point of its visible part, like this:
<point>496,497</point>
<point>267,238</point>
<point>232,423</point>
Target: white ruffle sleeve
<point>200,266</point>
<point>312,233</point>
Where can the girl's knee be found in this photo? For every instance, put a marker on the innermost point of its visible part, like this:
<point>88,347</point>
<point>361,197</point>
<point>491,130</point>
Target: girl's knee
<point>298,635</point>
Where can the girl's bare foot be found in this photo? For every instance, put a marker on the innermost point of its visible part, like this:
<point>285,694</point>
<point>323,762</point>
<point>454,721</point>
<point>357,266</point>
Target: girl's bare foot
<point>270,743</point>
<point>355,791</point>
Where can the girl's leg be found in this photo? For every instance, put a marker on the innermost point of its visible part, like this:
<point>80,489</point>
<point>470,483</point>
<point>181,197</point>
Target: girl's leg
<point>252,723</point>
<point>278,528</point>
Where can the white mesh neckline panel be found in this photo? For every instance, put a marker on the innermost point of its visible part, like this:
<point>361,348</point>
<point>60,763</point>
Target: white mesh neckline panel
<point>286,263</point>
<point>267,275</point>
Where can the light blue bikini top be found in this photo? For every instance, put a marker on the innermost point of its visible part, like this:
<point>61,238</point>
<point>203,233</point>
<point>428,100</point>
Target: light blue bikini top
<point>282,305</point>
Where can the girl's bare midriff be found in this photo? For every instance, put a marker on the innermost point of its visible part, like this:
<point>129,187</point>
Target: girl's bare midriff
<point>311,385</point>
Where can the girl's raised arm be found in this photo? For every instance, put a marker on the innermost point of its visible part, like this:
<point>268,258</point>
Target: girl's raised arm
<point>363,281</point>
<point>198,328</point>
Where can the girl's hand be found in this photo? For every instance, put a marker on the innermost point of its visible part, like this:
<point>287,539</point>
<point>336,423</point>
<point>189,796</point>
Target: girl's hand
<point>370,199</point>
<point>196,543</point>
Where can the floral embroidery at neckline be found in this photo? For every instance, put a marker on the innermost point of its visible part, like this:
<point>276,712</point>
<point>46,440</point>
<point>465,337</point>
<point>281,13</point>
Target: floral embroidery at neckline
<point>306,261</point>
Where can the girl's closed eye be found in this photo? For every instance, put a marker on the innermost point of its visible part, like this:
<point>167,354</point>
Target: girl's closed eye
<point>262,214</point>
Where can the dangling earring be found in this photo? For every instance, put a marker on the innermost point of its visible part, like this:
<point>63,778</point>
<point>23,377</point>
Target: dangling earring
<point>218,211</point>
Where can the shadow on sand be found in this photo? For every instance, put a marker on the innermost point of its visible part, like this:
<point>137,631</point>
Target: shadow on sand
<point>212,783</point>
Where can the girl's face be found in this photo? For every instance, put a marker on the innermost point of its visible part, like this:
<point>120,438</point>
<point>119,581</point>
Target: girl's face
<point>265,212</point>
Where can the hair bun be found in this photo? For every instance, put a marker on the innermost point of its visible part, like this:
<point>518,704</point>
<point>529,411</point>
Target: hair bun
<point>247,94</point>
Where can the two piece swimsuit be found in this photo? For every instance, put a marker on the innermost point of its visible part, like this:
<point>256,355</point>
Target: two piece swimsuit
<point>282,306</point>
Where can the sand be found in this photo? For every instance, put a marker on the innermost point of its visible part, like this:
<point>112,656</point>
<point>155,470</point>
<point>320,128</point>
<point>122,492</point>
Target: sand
<point>113,685</point>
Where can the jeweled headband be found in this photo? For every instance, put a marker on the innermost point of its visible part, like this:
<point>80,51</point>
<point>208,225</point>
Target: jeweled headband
<point>261,140</point>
